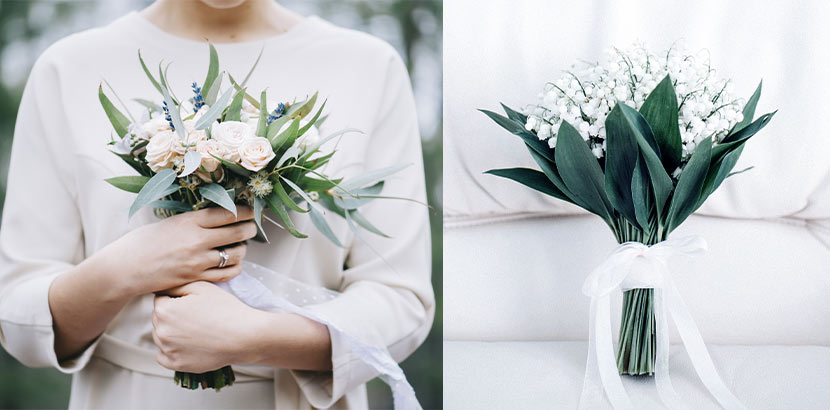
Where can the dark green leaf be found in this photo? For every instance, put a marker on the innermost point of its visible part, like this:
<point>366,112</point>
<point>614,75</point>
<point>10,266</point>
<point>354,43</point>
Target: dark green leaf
<point>317,185</point>
<point>541,147</point>
<point>641,193</point>
<point>279,192</point>
<point>514,115</point>
<point>280,212</point>
<point>621,155</point>
<point>660,111</point>
<point>581,172</point>
<point>532,179</point>
<point>689,185</point>
<point>741,136</point>
<point>748,112</point>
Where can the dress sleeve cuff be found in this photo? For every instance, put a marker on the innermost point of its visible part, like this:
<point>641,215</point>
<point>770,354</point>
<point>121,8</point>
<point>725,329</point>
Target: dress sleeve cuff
<point>26,329</point>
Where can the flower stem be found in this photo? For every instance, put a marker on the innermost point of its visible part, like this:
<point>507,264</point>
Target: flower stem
<point>216,379</point>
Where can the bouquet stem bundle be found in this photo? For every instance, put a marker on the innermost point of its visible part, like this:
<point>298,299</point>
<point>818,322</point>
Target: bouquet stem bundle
<point>215,379</point>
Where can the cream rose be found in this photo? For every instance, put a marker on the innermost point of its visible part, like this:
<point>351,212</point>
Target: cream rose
<point>163,150</point>
<point>192,135</point>
<point>153,127</point>
<point>255,153</point>
<point>230,135</point>
<point>209,149</point>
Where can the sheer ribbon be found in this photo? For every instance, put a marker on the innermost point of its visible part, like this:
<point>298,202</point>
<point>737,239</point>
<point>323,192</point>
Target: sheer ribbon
<point>289,295</point>
<point>634,265</point>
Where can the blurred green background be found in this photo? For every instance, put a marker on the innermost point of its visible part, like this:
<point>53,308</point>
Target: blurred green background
<point>413,27</point>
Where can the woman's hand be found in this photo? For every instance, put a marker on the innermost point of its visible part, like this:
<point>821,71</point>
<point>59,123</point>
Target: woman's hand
<point>181,249</point>
<point>199,327</point>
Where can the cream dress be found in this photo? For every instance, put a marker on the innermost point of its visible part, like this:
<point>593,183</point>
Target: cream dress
<point>59,210</point>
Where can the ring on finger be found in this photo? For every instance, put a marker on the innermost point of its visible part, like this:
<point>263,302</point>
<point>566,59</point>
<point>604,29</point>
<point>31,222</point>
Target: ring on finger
<point>223,258</point>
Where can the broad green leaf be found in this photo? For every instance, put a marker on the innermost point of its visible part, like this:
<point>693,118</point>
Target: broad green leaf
<point>218,195</point>
<point>149,75</point>
<point>661,182</point>
<point>641,193</point>
<point>213,113</point>
<point>235,168</point>
<point>301,193</point>
<point>323,226</point>
<point>748,112</point>
<point>541,147</point>
<point>621,155</point>
<point>157,187</point>
<point>660,111</point>
<point>361,220</point>
<point>549,168</point>
<point>132,183</point>
<point>119,122</point>
<point>581,172</point>
<point>304,109</point>
<point>172,205</point>
<point>280,192</point>
<point>689,185</point>
<point>213,71</point>
<point>744,134</point>
<point>282,215</point>
<point>531,178</point>
<point>312,121</point>
<point>235,109</point>
<point>192,160</point>
<point>259,203</point>
<point>718,171</point>
<point>370,177</point>
<point>263,115</point>
<point>286,138</point>
<point>514,115</point>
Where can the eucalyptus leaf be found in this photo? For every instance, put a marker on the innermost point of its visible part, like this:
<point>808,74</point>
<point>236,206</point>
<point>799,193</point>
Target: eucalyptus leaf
<point>312,121</point>
<point>361,220</point>
<point>245,95</point>
<point>531,178</point>
<point>259,203</point>
<point>291,152</point>
<point>280,192</point>
<point>282,215</point>
<point>213,113</point>
<point>218,195</point>
<point>149,75</point>
<point>323,226</point>
<point>154,189</point>
<point>287,137</point>
<point>263,115</point>
<point>173,108</point>
<point>213,92</point>
<point>235,168</point>
<point>153,107</point>
<point>119,122</point>
<point>317,185</point>
<point>253,67</point>
<point>360,197</point>
<point>235,109</point>
<point>370,177</point>
<point>132,183</point>
<point>192,160</point>
<point>304,109</point>
<point>302,194</point>
<point>213,71</point>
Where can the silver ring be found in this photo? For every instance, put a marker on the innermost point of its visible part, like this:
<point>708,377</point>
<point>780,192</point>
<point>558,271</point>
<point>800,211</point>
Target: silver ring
<point>223,258</point>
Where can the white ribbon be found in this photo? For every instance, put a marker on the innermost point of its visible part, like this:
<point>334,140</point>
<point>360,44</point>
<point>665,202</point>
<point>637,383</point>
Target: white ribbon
<point>289,295</point>
<point>634,265</point>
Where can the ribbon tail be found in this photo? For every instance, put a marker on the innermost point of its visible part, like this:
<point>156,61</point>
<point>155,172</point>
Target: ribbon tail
<point>601,345</point>
<point>662,379</point>
<point>696,349</point>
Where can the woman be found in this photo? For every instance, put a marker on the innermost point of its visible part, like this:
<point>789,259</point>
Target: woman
<point>77,277</point>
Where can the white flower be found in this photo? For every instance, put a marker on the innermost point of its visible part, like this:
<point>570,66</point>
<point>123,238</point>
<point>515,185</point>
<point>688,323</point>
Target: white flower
<point>152,127</point>
<point>209,150</point>
<point>706,105</point>
<point>309,139</point>
<point>192,135</point>
<point>163,151</point>
<point>255,153</point>
<point>230,135</point>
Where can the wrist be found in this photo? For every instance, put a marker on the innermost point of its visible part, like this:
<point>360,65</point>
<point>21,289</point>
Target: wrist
<point>288,341</point>
<point>115,286</point>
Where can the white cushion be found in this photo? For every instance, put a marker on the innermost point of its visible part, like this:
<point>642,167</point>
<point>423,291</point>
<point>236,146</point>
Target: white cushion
<point>520,278</point>
<point>548,375</point>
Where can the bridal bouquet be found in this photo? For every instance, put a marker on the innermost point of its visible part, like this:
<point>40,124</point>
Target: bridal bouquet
<point>640,140</point>
<point>225,148</point>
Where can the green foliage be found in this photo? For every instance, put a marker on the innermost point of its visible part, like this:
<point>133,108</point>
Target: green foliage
<point>631,188</point>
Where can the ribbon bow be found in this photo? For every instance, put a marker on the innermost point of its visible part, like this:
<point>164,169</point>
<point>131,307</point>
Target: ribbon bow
<point>634,265</point>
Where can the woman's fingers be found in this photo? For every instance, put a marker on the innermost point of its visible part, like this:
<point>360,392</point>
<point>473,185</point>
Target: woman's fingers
<point>221,275</point>
<point>215,216</point>
<point>229,234</point>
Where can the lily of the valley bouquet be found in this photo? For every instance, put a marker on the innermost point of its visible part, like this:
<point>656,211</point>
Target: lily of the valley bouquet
<point>641,140</point>
<point>223,147</point>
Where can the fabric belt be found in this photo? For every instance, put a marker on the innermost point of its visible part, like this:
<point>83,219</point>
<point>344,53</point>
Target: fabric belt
<point>141,360</point>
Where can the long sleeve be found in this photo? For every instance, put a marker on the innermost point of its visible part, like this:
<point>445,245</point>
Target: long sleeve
<point>387,297</point>
<point>41,235</point>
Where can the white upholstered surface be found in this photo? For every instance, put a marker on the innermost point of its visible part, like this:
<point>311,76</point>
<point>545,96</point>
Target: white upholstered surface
<point>548,375</point>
